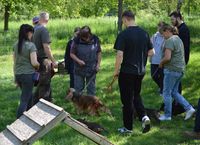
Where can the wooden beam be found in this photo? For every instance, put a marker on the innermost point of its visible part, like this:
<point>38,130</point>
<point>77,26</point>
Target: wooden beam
<point>84,130</point>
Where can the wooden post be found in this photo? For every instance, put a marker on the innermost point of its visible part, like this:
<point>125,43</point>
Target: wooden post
<point>120,5</point>
<point>179,4</point>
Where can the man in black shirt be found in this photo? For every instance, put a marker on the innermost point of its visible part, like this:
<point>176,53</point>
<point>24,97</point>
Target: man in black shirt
<point>184,33</point>
<point>133,47</point>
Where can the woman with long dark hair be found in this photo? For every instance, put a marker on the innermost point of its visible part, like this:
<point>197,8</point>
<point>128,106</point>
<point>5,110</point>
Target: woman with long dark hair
<point>25,63</point>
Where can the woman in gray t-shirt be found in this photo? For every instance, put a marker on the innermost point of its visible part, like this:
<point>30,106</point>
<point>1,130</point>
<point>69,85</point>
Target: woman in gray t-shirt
<point>174,64</point>
<point>25,63</point>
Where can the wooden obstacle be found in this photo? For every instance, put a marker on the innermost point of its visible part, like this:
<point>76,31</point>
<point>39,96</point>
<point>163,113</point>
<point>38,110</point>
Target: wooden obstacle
<point>39,120</point>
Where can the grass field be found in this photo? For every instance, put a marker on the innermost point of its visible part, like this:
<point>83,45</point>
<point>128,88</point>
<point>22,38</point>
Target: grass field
<point>167,133</point>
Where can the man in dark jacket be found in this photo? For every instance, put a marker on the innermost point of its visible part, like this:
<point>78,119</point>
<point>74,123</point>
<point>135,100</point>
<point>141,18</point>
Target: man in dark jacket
<point>184,33</point>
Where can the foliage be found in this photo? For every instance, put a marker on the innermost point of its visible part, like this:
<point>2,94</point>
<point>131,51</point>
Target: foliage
<point>23,9</point>
<point>61,31</point>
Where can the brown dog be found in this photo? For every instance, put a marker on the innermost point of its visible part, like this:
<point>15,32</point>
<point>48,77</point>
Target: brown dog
<point>88,104</point>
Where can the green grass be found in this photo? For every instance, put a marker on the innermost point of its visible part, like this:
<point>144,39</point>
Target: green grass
<point>168,133</point>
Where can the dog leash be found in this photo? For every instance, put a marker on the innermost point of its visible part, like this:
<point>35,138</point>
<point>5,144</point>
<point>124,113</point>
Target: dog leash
<point>90,80</point>
<point>109,87</point>
<point>155,72</point>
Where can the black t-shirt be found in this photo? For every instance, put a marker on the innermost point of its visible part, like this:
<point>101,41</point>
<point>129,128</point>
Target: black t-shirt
<point>184,34</point>
<point>41,36</point>
<point>135,44</point>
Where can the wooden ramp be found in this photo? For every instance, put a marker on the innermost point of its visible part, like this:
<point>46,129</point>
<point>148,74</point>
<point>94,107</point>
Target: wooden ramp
<point>40,119</point>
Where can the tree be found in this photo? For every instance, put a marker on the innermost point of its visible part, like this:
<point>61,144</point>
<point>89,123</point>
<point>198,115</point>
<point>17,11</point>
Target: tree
<point>120,5</point>
<point>179,4</point>
<point>6,15</point>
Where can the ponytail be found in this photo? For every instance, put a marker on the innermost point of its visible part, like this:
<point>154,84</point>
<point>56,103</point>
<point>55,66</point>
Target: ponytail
<point>23,35</point>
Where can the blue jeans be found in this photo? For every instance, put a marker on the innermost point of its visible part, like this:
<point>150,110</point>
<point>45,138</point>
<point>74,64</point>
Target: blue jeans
<point>25,82</point>
<point>81,81</point>
<point>170,89</point>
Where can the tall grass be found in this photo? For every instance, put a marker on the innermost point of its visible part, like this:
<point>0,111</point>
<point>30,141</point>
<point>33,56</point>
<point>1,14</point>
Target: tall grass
<point>61,31</point>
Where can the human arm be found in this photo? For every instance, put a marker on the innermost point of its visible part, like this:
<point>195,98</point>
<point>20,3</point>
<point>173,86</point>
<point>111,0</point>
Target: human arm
<point>166,58</point>
<point>47,50</point>
<point>151,52</point>
<point>76,59</point>
<point>34,61</point>
<point>118,61</point>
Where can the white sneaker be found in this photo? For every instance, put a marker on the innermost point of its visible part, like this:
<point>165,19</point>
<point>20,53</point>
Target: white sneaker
<point>189,113</point>
<point>164,118</point>
<point>145,124</point>
<point>124,130</point>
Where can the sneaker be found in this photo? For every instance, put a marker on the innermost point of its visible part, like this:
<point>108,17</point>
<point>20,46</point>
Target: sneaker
<point>145,124</point>
<point>192,134</point>
<point>164,118</point>
<point>124,130</point>
<point>189,113</point>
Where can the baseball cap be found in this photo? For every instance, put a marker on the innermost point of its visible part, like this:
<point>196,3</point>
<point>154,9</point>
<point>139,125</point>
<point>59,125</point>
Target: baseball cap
<point>35,19</point>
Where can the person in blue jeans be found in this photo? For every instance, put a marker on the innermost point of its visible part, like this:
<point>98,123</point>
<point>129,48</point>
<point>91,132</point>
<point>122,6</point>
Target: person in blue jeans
<point>195,134</point>
<point>25,63</point>
<point>173,62</point>
<point>86,53</point>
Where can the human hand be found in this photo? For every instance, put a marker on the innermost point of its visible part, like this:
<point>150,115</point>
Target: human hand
<point>116,74</point>
<point>81,63</point>
<point>55,64</point>
<point>160,65</point>
<point>97,68</point>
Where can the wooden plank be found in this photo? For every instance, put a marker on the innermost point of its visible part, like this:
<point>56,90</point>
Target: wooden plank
<point>51,105</point>
<point>42,113</point>
<point>95,137</point>
<point>7,138</point>
<point>23,128</point>
<point>18,135</point>
<point>47,128</point>
<point>33,119</point>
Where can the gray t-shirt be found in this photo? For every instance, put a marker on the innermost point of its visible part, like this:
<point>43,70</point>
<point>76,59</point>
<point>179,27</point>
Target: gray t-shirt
<point>177,62</point>
<point>41,36</point>
<point>23,61</point>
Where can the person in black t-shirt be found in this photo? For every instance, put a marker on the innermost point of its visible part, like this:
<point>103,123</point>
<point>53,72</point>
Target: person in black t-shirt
<point>184,34</point>
<point>133,46</point>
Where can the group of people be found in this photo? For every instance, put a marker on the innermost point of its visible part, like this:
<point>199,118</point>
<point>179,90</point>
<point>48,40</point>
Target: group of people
<point>167,49</point>
<point>32,52</point>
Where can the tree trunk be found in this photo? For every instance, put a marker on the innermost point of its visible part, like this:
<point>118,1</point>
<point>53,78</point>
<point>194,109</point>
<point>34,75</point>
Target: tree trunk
<point>188,7</point>
<point>6,16</point>
<point>179,4</point>
<point>120,5</point>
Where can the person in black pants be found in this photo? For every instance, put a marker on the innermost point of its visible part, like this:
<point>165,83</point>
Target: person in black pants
<point>157,73</point>
<point>195,134</point>
<point>69,63</point>
<point>133,46</point>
